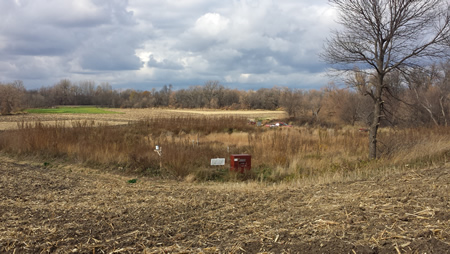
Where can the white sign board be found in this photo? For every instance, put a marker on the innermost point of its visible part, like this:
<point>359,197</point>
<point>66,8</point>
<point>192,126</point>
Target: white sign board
<point>218,162</point>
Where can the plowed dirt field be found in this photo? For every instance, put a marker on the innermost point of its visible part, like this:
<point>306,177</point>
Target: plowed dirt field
<point>68,209</point>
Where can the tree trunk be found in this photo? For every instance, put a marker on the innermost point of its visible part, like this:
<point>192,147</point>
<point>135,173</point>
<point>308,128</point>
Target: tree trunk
<point>426,106</point>
<point>444,116</point>
<point>373,129</point>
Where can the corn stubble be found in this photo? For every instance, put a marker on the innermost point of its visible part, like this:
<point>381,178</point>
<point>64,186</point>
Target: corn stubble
<point>189,143</point>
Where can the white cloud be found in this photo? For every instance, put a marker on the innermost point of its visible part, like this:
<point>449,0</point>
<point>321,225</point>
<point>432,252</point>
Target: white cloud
<point>210,25</point>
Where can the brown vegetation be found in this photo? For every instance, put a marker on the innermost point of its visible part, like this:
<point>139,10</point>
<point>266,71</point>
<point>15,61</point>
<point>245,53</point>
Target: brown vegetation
<point>189,142</point>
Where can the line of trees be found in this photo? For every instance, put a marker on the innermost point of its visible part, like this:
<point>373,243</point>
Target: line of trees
<point>420,98</point>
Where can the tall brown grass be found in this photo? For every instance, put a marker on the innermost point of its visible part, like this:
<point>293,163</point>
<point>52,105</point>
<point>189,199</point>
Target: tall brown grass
<point>189,143</point>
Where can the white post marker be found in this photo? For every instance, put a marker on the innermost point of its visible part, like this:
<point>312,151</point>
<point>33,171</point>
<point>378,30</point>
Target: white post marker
<point>158,150</point>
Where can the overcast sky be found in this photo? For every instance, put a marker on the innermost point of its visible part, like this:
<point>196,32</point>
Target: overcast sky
<point>144,44</point>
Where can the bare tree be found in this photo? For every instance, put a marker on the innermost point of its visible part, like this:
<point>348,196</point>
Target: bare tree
<point>11,97</point>
<point>380,36</point>
<point>291,101</point>
<point>312,103</point>
<point>430,92</point>
<point>62,92</point>
<point>346,106</point>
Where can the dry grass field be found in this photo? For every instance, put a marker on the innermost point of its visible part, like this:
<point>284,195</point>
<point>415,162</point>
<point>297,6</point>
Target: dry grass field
<point>64,186</point>
<point>130,115</point>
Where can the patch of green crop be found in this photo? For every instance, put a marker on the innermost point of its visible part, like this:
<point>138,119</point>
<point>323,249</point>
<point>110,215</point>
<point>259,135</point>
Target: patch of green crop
<point>70,110</point>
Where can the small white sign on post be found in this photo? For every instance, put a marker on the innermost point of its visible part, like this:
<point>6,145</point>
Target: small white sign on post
<point>218,162</point>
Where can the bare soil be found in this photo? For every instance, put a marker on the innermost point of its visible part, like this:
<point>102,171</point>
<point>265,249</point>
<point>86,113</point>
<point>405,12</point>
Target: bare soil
<point>55,208</point>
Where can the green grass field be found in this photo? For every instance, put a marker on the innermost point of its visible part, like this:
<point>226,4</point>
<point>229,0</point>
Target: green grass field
<point>70,110</point>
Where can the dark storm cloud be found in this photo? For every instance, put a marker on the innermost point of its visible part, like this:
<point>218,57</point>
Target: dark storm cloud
<point>39,41</point>
<point>114,51</point>
<point>109,59</point>
<point>88,32</point>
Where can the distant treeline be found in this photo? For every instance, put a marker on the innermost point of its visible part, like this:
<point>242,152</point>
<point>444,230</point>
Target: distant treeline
<point>420,98</point>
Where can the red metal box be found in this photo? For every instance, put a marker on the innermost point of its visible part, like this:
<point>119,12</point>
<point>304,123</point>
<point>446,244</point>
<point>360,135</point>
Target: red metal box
<point>240,162</point>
